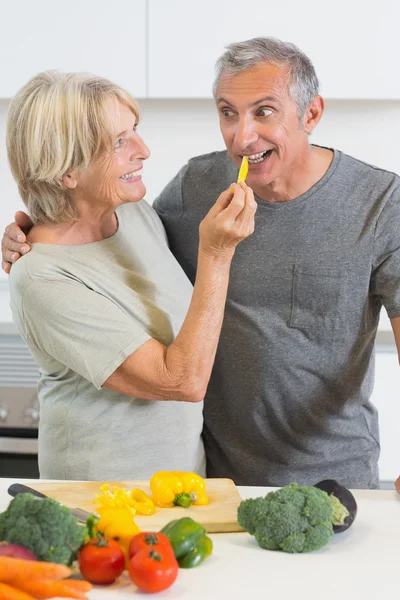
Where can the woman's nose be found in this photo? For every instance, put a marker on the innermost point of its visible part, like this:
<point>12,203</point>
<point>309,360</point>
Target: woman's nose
<point>139,149</point>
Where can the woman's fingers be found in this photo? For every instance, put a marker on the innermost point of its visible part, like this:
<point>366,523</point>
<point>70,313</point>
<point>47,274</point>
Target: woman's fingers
<point>246,216</point>
<point>230,220</point>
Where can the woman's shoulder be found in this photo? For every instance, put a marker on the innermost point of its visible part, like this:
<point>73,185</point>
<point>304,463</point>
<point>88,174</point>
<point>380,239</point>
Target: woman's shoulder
<point>140,214</point>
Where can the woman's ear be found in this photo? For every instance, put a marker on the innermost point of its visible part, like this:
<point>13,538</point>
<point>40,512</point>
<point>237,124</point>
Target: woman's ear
<point>69,180</point>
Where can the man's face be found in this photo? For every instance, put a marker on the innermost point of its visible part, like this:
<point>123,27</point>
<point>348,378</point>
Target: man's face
<point>258,119</point>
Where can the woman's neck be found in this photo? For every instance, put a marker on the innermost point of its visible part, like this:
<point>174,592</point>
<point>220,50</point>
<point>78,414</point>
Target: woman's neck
<point>87,229</point>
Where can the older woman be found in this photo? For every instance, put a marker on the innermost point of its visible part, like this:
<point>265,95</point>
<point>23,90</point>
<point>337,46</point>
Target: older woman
<point>124,344</point>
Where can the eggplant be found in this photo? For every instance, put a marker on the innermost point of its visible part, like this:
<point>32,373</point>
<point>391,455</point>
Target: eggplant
<point>345,497</point>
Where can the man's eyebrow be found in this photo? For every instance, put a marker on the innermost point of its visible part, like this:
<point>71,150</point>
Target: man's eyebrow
<point>265,99</point>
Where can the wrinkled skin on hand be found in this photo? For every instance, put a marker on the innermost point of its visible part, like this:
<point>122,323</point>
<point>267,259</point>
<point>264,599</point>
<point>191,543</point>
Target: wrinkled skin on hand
<point>13,243</point>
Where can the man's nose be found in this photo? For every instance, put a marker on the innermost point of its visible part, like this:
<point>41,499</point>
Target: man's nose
<point>246,133</point>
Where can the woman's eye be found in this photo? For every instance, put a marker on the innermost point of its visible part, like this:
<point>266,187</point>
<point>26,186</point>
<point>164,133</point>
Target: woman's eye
<point>264,112</point>
<point>118,143</point>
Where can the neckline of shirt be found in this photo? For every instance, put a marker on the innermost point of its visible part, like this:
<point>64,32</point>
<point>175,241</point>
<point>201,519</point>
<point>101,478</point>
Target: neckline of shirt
<point>289,204</point>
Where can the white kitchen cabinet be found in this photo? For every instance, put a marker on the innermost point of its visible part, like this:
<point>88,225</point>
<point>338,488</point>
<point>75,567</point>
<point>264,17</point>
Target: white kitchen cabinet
<point>353,44</point>
<point>386,398</point>
<point>104,38</point>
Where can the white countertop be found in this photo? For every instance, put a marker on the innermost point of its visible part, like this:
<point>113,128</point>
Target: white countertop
<point>359,564</point>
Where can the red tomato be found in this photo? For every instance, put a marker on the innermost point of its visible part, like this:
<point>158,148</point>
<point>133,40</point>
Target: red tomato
<point>101,561</point>
<point>146,539</point>
<point>153,569</point>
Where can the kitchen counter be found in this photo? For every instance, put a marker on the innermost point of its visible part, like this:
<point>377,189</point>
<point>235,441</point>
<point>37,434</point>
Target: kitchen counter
<point>361,563</point>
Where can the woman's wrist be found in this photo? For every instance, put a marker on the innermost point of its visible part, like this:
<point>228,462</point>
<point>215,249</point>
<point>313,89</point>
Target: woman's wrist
<point>216,255</point>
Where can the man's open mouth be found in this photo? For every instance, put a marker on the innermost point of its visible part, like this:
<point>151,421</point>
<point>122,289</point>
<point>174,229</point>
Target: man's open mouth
<point>254,159</point>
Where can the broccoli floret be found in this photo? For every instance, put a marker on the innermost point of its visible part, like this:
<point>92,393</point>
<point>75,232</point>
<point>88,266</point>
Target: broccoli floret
<point>250,513</point>
<point>293,519</point>
<point>43,526</point>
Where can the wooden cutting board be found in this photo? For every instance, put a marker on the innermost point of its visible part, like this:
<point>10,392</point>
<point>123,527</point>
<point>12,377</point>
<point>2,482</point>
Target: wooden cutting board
<point>219,516</point>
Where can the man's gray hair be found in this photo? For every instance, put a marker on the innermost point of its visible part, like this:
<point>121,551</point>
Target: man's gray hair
<point>303,83</point>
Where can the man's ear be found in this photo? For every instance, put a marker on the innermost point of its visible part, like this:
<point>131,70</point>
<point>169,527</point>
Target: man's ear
<point>69,180</point>
<point>313,113</point>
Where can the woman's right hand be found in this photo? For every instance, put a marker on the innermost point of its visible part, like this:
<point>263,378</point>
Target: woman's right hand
<point>229,221</point>
<point>13,243</point>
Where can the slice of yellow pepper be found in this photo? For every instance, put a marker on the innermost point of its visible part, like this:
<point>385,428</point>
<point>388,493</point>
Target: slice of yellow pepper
<point>143,504</point>
<point>244,169</point>
<point>117,496</point>
<point>167,485</point>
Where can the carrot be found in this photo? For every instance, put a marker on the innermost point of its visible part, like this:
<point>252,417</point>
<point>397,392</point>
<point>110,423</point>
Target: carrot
<point>7,592</point>
<point>12,569</point>
<point>65,588</point>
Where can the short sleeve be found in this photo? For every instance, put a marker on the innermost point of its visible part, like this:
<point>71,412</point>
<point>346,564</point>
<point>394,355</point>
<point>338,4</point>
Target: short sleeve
<point>386,260</point>
<point>80,328</point>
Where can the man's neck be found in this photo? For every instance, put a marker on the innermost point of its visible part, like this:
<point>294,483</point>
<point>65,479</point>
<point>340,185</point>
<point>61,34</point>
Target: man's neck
<point>299,180</point>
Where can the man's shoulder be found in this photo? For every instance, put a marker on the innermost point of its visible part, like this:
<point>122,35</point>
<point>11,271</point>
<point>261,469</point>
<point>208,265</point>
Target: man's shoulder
<point>369,170</point>
<point>209,173</point>
<point>211,160</point>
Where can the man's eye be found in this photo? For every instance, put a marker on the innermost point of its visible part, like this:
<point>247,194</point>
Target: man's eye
<point>264,112</point>
<point>226,112</point>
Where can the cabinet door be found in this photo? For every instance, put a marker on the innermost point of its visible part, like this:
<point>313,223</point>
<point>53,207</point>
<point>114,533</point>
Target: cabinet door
<point>354,44</point>
<point>386,398</point>
<point>95,36</point>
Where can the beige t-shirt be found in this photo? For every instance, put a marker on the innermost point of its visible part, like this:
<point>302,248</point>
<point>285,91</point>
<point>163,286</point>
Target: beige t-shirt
<point>83,310</point>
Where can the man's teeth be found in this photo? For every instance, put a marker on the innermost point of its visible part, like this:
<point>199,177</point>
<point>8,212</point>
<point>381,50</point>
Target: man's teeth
<point>131,175</point>
<point>257,158</point>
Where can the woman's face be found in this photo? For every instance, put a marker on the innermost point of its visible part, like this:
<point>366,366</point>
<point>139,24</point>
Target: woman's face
<point>116,177</point>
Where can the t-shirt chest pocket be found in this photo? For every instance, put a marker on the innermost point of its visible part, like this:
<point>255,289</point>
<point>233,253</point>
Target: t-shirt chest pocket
<point>319,295</point>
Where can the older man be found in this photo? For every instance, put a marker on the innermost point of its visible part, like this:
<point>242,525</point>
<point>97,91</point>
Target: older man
<point>289,395</point>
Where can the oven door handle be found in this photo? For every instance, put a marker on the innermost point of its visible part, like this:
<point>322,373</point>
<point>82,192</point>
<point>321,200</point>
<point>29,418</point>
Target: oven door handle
<point>18,445</point>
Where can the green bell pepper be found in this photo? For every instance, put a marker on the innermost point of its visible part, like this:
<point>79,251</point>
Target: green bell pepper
<point>184,535</point>
<point>202,549</point>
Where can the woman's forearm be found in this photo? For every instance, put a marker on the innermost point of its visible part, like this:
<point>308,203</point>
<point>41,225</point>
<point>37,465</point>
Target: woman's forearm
<point>190,357</point>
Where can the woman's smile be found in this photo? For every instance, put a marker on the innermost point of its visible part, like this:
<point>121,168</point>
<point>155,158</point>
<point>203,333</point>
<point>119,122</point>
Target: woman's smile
<point>133,176</point>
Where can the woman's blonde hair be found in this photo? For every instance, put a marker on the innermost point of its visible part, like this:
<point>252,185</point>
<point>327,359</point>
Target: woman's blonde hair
<point>58,122</point>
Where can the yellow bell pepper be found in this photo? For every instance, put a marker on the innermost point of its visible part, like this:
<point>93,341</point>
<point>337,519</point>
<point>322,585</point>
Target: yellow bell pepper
<point>118,523</point>
<point>178,488</point>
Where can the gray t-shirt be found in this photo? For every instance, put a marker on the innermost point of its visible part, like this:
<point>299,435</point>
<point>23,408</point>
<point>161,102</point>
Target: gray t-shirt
<point>288,399</point>
<point>83,310</point>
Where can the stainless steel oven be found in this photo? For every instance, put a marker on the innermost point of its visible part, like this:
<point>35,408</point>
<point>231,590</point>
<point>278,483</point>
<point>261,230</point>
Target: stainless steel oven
<point>19,407</point>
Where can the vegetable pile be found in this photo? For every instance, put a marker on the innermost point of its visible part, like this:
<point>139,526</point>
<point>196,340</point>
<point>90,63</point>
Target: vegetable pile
<point>294,518</point>
<point>154,558</point>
